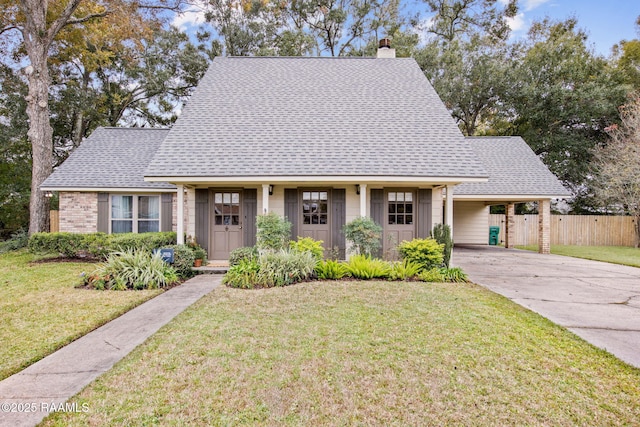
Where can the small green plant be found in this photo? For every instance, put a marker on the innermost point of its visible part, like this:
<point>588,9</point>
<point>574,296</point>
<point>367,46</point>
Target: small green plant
<point>132,269</point>
<point>285,267</point>
<point>308,244</point>
<point>425,252</point>
<point>454,275</point>
<point>365,236</point>
<point>272,232</point>
<point>403,270</point>
<point>243,274</point>
<point>442,234</point>
<point>365,267</point>
<point>444,274</point>
<point>331,270</point>
<point>432,275</point>
<point>249,253</point>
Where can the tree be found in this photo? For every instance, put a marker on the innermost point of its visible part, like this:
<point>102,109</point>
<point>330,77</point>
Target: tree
<point>617,165</point>
<point>561,99</point>
<point>15,159</point>
<point>39,23</point>
<point>467,58</point>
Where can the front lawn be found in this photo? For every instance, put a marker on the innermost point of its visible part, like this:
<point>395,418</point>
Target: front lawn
<point>614,254</point>
<point>362,353</point>
<point>41,310</point>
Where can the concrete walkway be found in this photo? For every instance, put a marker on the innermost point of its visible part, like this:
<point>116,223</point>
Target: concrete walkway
<point>49,383</point>
<point>597,301</point>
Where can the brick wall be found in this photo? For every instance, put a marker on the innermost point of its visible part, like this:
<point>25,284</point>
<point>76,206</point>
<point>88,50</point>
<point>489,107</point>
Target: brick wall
<point>78,212</point>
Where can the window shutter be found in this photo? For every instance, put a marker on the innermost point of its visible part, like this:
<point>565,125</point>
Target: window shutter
<point>166,212</point>
<point>103,212</point>
<point>338,219</point>
<point>377,211</point>
<point>424,213</point>
<point>291,210</point>
<point>249,210</point>
<point>202,218</point>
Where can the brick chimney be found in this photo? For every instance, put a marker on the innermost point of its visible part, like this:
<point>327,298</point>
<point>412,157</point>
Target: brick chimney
<point>385,50</point>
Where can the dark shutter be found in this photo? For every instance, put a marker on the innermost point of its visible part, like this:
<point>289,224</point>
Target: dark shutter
<point>103,212</point>
<point>202,218</point>
<point>338,219</point>
<point>291,210</point>
<point>166,212</point>
<point>249,210</point>
<point>424,213</point>
<point>377,212</point>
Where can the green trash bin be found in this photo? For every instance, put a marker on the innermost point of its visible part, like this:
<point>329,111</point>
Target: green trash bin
<point>494,235</point>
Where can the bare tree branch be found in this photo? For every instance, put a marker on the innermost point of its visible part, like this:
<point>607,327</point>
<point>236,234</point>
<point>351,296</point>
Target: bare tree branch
<point>89,17</point>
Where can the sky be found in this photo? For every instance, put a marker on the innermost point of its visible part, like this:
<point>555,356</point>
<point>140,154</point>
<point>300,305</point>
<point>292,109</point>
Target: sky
<point>606,22</point>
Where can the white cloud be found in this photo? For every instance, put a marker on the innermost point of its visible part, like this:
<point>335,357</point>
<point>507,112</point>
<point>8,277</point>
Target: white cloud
<point>533,4</point>
<point>516,23</point>
<point>194,15</point>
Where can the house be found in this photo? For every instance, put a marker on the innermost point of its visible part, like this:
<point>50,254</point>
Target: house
<point>320,141</point>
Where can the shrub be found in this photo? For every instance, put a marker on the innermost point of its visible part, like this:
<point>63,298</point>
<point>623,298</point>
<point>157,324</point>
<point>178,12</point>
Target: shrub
<point>272,232</point>
<point>183,259</point>
<point>132,270</point>
<point>285,267</point>
<point>69,245</point>
<point>331,270</point>
<point>249,253</point>
<point>18,240</point>
<point>365,236</point>
<point>403,270</point>
<point>98,245</point>
<point>141,241</point>
<point>442,234</point>
<point>365,267</point>
<point>310,245</point>
<point>425,252</point>
<point>243,274</point>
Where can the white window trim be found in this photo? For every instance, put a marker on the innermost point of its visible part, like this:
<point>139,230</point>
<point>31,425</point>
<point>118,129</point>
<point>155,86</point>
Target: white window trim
<point>134,214</point>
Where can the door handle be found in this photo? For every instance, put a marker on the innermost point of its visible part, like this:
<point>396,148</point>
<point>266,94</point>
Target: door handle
<point>226,228</point>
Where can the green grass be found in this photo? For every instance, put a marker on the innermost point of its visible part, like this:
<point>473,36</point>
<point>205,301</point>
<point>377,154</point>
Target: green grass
<point>41,310</point>
<point>361,353</point>
<point>614,254</point>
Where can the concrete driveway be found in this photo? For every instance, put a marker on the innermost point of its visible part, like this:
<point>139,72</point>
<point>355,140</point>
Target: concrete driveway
<point>597,301</point>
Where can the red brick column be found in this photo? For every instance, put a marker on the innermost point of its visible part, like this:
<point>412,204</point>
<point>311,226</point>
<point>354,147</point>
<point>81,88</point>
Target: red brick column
<point>510,226</point>
<point>544,226</point>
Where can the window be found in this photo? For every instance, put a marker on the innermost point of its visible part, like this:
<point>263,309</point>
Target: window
<point>315,207</point>
<point>400,207</point>
<point>227,208</point>
<point>135,214</point>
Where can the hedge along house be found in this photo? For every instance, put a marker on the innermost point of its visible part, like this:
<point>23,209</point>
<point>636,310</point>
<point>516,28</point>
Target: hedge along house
<point>320,141</point>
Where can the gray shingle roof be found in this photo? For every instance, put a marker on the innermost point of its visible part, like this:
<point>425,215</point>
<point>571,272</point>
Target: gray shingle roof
<point>110,158</point>
<point>314,117</point>
<point>514,169</point>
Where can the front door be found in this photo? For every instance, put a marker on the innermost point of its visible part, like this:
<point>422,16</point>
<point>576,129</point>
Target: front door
<point>400,220</point>
<point>315,221</point>
<point>226,227</point>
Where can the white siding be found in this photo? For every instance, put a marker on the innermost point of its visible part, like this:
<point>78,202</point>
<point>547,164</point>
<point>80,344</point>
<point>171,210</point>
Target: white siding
<point>471,223</point>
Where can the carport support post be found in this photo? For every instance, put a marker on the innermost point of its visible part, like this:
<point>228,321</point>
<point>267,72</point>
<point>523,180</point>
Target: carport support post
<point>510,226</point>
<point>544,226</point>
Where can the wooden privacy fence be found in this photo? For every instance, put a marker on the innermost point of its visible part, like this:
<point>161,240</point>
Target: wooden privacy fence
<point>54,221</point>
<point>581,230</point>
